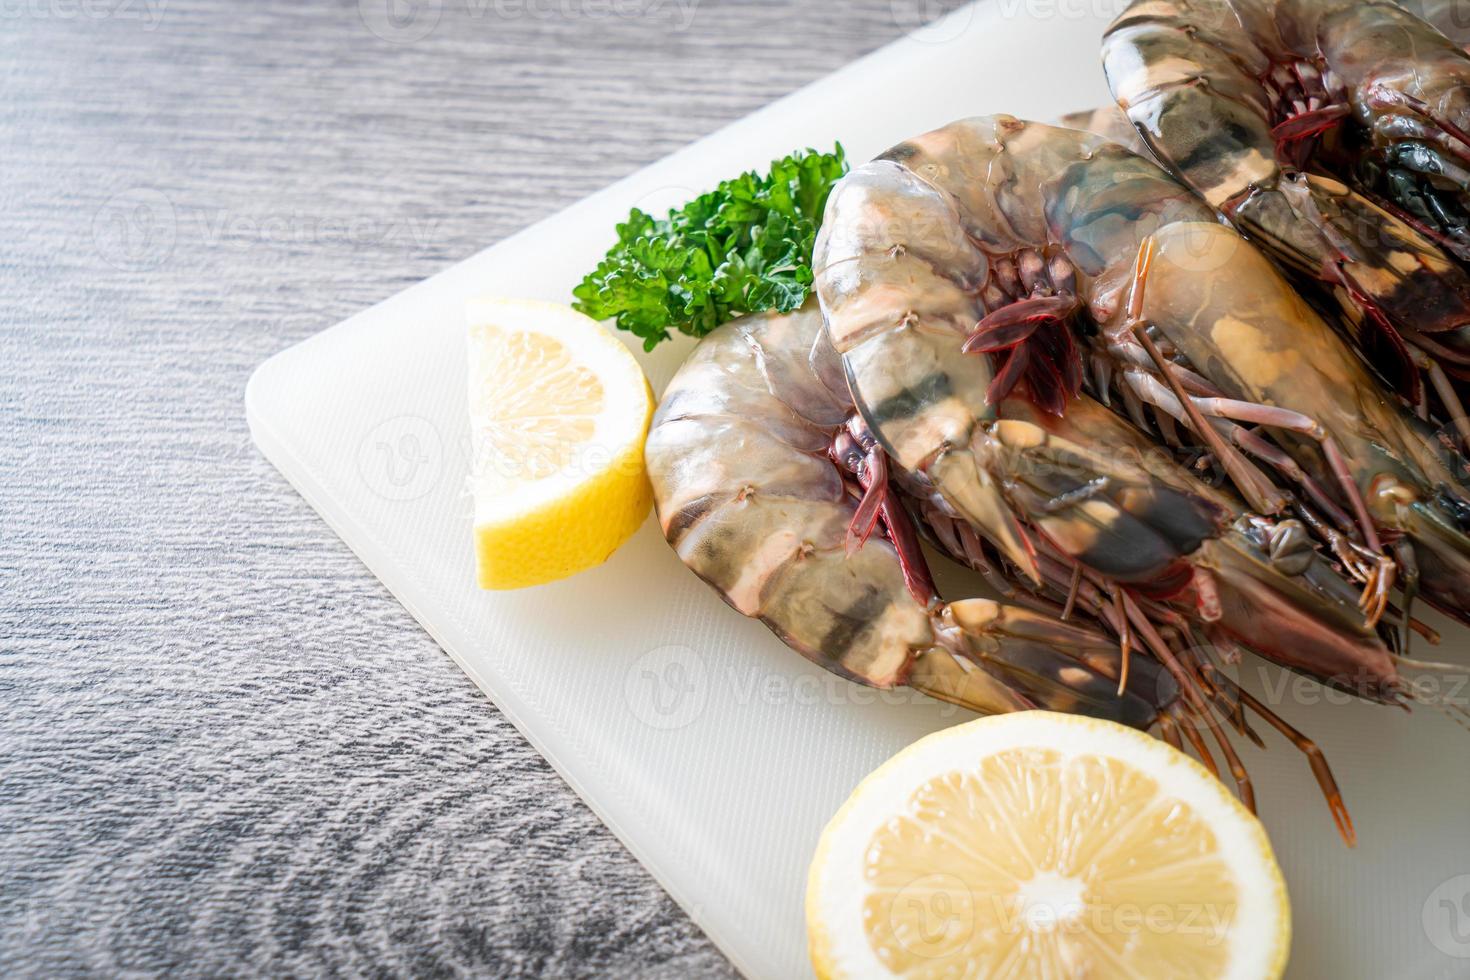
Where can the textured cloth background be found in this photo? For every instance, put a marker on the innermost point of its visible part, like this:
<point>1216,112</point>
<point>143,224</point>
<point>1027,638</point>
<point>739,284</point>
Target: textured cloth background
<point>224,747</point>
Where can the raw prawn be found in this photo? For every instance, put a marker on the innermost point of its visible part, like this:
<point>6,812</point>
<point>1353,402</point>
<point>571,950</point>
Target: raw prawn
<point>992,221</point>
<point>1051,224</point>
<point>772,490</point>
<point>752,497</point>
<point>1253,102</point>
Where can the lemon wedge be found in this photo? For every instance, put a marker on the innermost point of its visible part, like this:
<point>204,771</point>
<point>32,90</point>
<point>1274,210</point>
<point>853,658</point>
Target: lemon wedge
<point>1045,845</point>
<point>559,411</point>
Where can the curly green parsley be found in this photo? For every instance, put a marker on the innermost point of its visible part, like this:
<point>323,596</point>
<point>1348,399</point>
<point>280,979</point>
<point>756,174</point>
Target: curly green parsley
<point>742,248</point>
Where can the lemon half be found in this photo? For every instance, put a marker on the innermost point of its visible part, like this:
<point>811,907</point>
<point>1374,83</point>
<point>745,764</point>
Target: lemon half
<point>559,411</point>
<point>1045,845</point>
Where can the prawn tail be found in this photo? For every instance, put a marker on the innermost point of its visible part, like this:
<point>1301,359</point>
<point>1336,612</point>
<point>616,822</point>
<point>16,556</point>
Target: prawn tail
<point>1041,662</point>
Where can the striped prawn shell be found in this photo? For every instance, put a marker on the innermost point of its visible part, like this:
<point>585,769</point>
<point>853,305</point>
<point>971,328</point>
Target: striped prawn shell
<point>749,499</point>
<point>904,263</point>
<point>1196,78</point>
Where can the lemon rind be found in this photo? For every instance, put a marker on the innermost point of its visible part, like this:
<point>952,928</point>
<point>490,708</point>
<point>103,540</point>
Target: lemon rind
<point>834,884</point>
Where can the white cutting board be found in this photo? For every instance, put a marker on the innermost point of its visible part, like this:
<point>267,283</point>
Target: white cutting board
<point>711,750</point>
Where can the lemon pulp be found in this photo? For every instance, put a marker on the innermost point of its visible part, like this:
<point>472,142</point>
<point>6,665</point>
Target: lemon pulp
<point>1045,845</point>
<point>537,410</point>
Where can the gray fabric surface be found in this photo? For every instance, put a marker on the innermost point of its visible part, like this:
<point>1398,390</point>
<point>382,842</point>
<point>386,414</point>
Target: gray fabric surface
<point>224,747</point>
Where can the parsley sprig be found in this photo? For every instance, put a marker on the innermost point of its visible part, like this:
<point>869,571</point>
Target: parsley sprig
<point>744,247</point>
